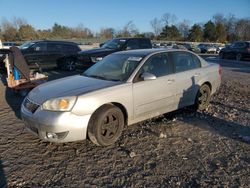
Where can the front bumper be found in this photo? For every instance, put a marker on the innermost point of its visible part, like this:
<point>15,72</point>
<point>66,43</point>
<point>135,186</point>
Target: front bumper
<point>66,126</point>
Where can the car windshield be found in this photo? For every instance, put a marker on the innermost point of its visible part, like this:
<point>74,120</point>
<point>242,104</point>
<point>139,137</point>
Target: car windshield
<point>26,45</point>
<point>114,44</point>
<point>115,67</point>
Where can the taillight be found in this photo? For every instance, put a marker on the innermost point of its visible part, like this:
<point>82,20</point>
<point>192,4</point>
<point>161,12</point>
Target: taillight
<point>220,70</point>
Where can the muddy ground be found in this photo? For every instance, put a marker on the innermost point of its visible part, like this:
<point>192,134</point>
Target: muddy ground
<point>180,149</point>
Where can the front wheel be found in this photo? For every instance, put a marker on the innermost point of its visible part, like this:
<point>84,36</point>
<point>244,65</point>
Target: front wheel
<point>238,57</point>
<point>221,55</point>
<point>203,97</point>
<point>106,125</point>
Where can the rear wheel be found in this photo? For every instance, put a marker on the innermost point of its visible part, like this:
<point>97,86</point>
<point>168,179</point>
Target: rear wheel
<point>106,125</point>
<point>69,64</point>
<point>203,97</point>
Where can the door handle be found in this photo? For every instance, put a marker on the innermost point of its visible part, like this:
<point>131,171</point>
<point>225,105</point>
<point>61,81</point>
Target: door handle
<point>197,74</point>
<point>170,81</point>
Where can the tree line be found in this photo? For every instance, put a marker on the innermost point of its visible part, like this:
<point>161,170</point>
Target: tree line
<point>218,29</point>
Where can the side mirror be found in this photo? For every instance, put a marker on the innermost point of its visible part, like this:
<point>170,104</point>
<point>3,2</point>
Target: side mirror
<point>36,48</point>
<point>101,44</point>
<point>146,76</point>
<point>128,48</point>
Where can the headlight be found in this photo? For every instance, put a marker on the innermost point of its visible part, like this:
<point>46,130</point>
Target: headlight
<point>96,59</point>
<point>60,104</point>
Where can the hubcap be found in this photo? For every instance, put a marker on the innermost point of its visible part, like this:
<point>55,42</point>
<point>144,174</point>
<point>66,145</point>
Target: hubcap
<point>71,65</point>
<point>109,126</point>
<point>238,57</point>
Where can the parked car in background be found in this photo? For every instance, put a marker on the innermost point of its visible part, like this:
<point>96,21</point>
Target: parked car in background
<point>90,57</point>
<point>7,45</point>
<point>238,50</point>
<point>122,89</point>
<point>218,47</point>
<point>179,46</point>
<point>192,47</point>
<point>207,48</point>
<point>49,53</point>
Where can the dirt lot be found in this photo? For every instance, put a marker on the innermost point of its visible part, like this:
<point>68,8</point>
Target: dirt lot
<point>181,149</point>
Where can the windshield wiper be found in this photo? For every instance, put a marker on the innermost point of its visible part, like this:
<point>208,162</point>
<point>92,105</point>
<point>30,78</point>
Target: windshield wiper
<point>101,77</point>
<point>97,76</point>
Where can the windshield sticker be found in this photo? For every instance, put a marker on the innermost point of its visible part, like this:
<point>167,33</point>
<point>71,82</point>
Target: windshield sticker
<point>134,58</point>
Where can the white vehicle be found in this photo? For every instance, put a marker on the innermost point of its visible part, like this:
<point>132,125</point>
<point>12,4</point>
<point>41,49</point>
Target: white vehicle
<point>122,89</point>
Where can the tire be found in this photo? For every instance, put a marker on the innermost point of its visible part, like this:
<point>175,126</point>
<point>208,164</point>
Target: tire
<point>69,64</point>
<point>106,125</point>
<point>238,57</point>
<point>221,55</point>
<point>203,97</point>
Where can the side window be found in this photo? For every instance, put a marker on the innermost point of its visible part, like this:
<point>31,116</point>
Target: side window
<point>184,61</point>
<point>144,43</point>
<point>241,45</point>
<point>70,48</point>
<point>158,64</point>
<point>54,47</point>
<point>40,47</point>
<point>132,44</point>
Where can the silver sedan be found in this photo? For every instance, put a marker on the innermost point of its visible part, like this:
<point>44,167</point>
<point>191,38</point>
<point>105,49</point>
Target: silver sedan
<point>124,88</point>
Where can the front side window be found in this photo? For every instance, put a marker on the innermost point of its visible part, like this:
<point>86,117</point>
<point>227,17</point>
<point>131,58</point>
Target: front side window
<point>184,61</point>
<point>114,44</point>
<point>26,45</point>
<point>158,65</point>
<point>40,47</point>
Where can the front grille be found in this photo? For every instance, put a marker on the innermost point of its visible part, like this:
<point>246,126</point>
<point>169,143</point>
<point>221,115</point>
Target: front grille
<point>30,106</point>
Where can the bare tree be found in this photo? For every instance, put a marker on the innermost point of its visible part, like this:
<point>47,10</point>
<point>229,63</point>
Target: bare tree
<point>128,30</point>
<point>184,27</point>
<point>18,22</point>
<point>169,19</point>
<point>107,33</point>
<point>9,31</point>
<point>219,19</point>
<point>242,29</point>
<point>156,25</point>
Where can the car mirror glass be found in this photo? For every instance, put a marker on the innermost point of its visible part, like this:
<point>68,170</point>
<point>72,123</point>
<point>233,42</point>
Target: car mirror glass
<point>37,48</point>
<point>128,48</point>
<point>148,76</point>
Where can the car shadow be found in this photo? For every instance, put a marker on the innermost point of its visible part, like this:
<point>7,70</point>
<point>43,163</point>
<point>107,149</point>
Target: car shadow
<point>205,120</point>
<point>3,179</point>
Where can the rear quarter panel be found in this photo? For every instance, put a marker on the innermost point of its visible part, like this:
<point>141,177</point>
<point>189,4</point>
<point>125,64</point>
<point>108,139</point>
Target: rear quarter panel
<point>210,73</point>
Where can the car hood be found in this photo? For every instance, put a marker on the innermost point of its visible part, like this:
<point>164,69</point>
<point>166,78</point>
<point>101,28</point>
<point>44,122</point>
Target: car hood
<point>97,52</point>
<point>69,86</point>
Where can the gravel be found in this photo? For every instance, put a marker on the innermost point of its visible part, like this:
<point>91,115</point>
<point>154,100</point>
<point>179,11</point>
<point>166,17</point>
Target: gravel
<point>179,149</point>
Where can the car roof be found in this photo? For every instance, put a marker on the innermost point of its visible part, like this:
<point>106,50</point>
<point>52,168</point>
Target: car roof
<point>127,38</point>
<point>61,41</point>
<point>145,52</point>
